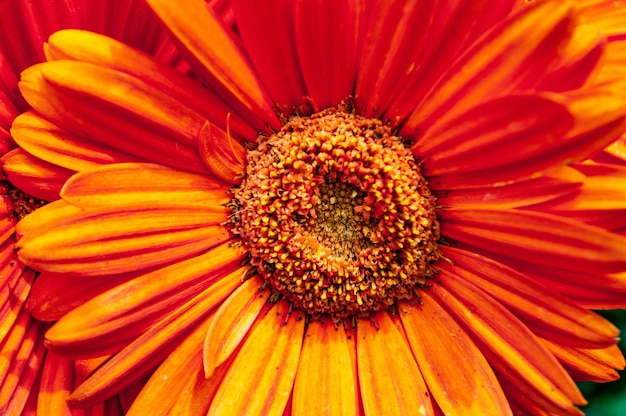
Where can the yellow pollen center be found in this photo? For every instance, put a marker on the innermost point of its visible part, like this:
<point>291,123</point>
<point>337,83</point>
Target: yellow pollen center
<point>336,216</point>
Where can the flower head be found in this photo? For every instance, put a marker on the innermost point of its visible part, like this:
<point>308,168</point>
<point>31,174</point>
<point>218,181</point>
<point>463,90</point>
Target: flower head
<point>352,207</point>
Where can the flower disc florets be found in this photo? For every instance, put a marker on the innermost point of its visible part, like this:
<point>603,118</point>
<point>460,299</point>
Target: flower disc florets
<point>336,215</point>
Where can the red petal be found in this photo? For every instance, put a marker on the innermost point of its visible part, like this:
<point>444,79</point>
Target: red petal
<point>221,154</point>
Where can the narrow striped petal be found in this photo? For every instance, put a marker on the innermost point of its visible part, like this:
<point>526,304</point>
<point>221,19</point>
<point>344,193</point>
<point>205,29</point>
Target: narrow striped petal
<point>455,370</point>
<point>116,109</point>
<point>34,176</point>
<point>512,349</point>
<point>109,241</point>
<point>548,314</point>
<point>221,154</point>
<point>143,354</point>
<point>391,382</point>
<point>536,237</point>
<point>47,141</point>
<point>217,58</point>
<point>166,395</point>
<point>326,380</point>
<point>326,37</point>
<point>144,185</point>
<point>231,323</point>
<point>264,368</point>
<point>497,64</point>
<point>267,31</point>
<point>111,320</point>
<point>101,50</point>
<point>596,365</point>
<point>56,383</point>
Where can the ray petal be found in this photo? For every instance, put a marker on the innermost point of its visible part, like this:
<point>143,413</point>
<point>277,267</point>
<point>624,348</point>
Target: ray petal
<point>216,57</point>
<point>510,347</point>
<point>221,154</point>
<point>113,319</point>
<point>115,109</point>
<point>264,368</point>
<point>548,314</point>
<point>326,381</point>
<point>110,241</point>
<point>455,370</point>
<point>141,355</point>
<point>144,185</point>
<point>537,237</point>
<point>326,36</point>
<point>231,323</point>
<point>101,50</point>
<point>391,382</point>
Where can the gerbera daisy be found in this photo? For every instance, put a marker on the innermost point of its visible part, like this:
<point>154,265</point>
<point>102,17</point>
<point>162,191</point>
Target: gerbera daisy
<point>350,207</point>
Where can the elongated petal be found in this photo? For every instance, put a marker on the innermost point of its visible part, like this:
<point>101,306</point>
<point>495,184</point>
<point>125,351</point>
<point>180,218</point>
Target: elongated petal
<point>264,368</point>
<point>221,154</point>
<point>545,312</point>
<point>111,241</point>
<point>326,36</point>
<point>164,390</point>
<point>56,383</point>
<point>597,365</point>
<point>144,185</point>
<point>543,189</point>
<point>216,56</point>
<point>55,294</point>
<point>536,237</point>
<point>111,320</point>
<point>510,347</point>
<point>34,176</point>
<point>115,109</point>
<point>267,30</point>
<point>456,372</point>
<point>55,145</point>
<point>101,50</point>
<point>497,64</point>
<point>231,323</point>
<point>391,382</point>
<point>326,382</point>
<point>140,356</point>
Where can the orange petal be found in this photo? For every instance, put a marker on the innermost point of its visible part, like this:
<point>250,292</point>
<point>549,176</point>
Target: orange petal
<point>550,186</point>
<point>264,368</point>
<point>217,58</point>
<point>326,379</point>
<point>456,372</point>
<point>63,238</point>
<point>113,319</point>
<point>56,383</point>
<point>94,48</point>
<point>231,323</point>
<point>326,39</point>
<point>144,185</point>
<point>537,238</point>
<point>509,346</point>
<point>497,64</point>
<point>389,378</point>
<point>47,141</point>
<point>143,354</point>
<point>266,27</point>
<point>221,154</point>
<point>34,176</point>
<point>596,365</point>
<point>545,312</point>
<point>117,110</point>
<point>178,386</point>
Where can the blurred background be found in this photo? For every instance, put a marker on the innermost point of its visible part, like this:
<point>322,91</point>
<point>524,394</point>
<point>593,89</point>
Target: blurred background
<point>608,399</point>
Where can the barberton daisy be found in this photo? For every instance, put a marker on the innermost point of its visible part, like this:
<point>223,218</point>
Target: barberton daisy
<point>341,207</point>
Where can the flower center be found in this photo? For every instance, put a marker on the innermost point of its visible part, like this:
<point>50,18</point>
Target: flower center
<point>18,202</point>
<point>336,216</point>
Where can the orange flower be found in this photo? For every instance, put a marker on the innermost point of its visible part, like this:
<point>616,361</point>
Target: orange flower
<point>351,207</point>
